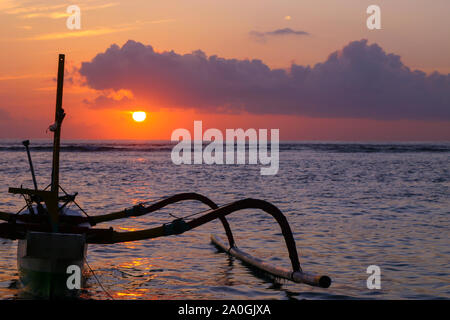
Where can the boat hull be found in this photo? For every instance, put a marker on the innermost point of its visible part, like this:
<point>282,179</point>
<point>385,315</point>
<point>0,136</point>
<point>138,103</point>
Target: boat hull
<point>43,260</point>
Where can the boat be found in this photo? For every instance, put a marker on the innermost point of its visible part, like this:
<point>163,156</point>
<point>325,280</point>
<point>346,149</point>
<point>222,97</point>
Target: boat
<point>53,240</point>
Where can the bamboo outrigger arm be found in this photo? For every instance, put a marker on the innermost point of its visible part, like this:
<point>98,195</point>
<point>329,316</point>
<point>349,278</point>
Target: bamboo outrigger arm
<point>135,211</point>
<point>140,210</point>
<point>179,226</point>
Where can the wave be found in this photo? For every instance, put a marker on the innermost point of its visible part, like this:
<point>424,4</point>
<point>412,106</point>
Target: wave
<point>87,148</point>
<point>367,148</point>
<point>283,146</point>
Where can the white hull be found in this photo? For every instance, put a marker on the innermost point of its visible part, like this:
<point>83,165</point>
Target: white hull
<point>43,259</point>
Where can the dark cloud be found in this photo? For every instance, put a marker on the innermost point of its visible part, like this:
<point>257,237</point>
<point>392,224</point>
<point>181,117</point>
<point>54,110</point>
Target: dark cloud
<point>287,31</point>
<point>261,36</point>
<point>104,102</point>
<point>359,81</point>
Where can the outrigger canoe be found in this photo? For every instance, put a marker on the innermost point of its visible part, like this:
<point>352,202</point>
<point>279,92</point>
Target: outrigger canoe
<point>53,238</point>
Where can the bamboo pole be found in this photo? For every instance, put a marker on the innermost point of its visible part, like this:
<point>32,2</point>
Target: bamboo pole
<point>58,120</point>
<point>52,205</point>
<point>298,276</point>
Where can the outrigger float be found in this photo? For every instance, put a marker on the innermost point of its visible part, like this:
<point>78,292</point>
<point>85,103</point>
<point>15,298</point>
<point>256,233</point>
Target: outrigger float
<point>52,237</point>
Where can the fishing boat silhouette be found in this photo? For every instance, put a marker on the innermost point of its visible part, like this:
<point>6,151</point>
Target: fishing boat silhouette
<point>52,238</point>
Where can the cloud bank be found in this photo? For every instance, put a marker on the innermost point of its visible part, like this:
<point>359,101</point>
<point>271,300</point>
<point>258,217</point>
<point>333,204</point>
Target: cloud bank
<point>261,36</point>
<point>359,81</point>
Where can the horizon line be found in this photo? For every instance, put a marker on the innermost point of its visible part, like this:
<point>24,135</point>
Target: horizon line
<point>281,141</point>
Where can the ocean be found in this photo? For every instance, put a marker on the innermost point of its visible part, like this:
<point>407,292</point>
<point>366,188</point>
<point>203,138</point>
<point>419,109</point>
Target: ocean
<point>350,205</point>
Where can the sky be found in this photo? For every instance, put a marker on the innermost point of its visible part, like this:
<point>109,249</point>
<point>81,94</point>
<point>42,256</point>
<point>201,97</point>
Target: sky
<point>309,68</point>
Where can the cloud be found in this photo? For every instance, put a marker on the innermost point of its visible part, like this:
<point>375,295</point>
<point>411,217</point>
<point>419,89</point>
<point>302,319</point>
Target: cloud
<point>97,31</point>
<point>42,12</point>
<point>79,34</point>
<point>359,81</point>
<point>51,15</point>
<point>23,76</point>
<point>286,31</point>
<point>112,99</point>
<point>103,102</point>
<point>261,36</point>
<point>19,8</point>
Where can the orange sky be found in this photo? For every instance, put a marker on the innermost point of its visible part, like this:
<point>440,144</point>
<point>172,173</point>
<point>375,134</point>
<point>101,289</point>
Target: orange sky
<point>34,32</point>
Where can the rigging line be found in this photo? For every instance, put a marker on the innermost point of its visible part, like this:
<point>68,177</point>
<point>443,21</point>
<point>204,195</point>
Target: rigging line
<point>176,217</point>
<point>196,213</point>
<point>170,214</point>
<point>26,206</point>
<point>63,190</point>
<point>98,281</point>
<point>200,212</point>
<point>193,214</point>
<point>82,210</point>
<point>22,209</point>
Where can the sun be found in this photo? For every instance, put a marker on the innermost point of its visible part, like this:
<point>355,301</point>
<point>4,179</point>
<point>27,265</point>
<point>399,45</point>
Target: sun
<point>139,116</point>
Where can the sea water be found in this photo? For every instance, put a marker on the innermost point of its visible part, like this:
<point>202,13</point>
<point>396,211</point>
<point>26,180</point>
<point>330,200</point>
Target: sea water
<point>350,206</point>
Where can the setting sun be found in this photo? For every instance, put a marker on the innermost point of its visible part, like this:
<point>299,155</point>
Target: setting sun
<point>139,116</point>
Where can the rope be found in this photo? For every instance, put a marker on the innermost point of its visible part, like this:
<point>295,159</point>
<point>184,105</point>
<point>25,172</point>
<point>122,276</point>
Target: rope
<point>150,202</point>
<point>98,281</point>
<point>82,210</point>
<point>146,203</point>
<point>22,209</point>
<point>196,213</point>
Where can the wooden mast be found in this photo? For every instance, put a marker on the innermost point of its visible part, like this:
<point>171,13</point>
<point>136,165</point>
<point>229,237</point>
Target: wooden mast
<point>59,115</point>
<point>56,128</point>
<point>51,198</point>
